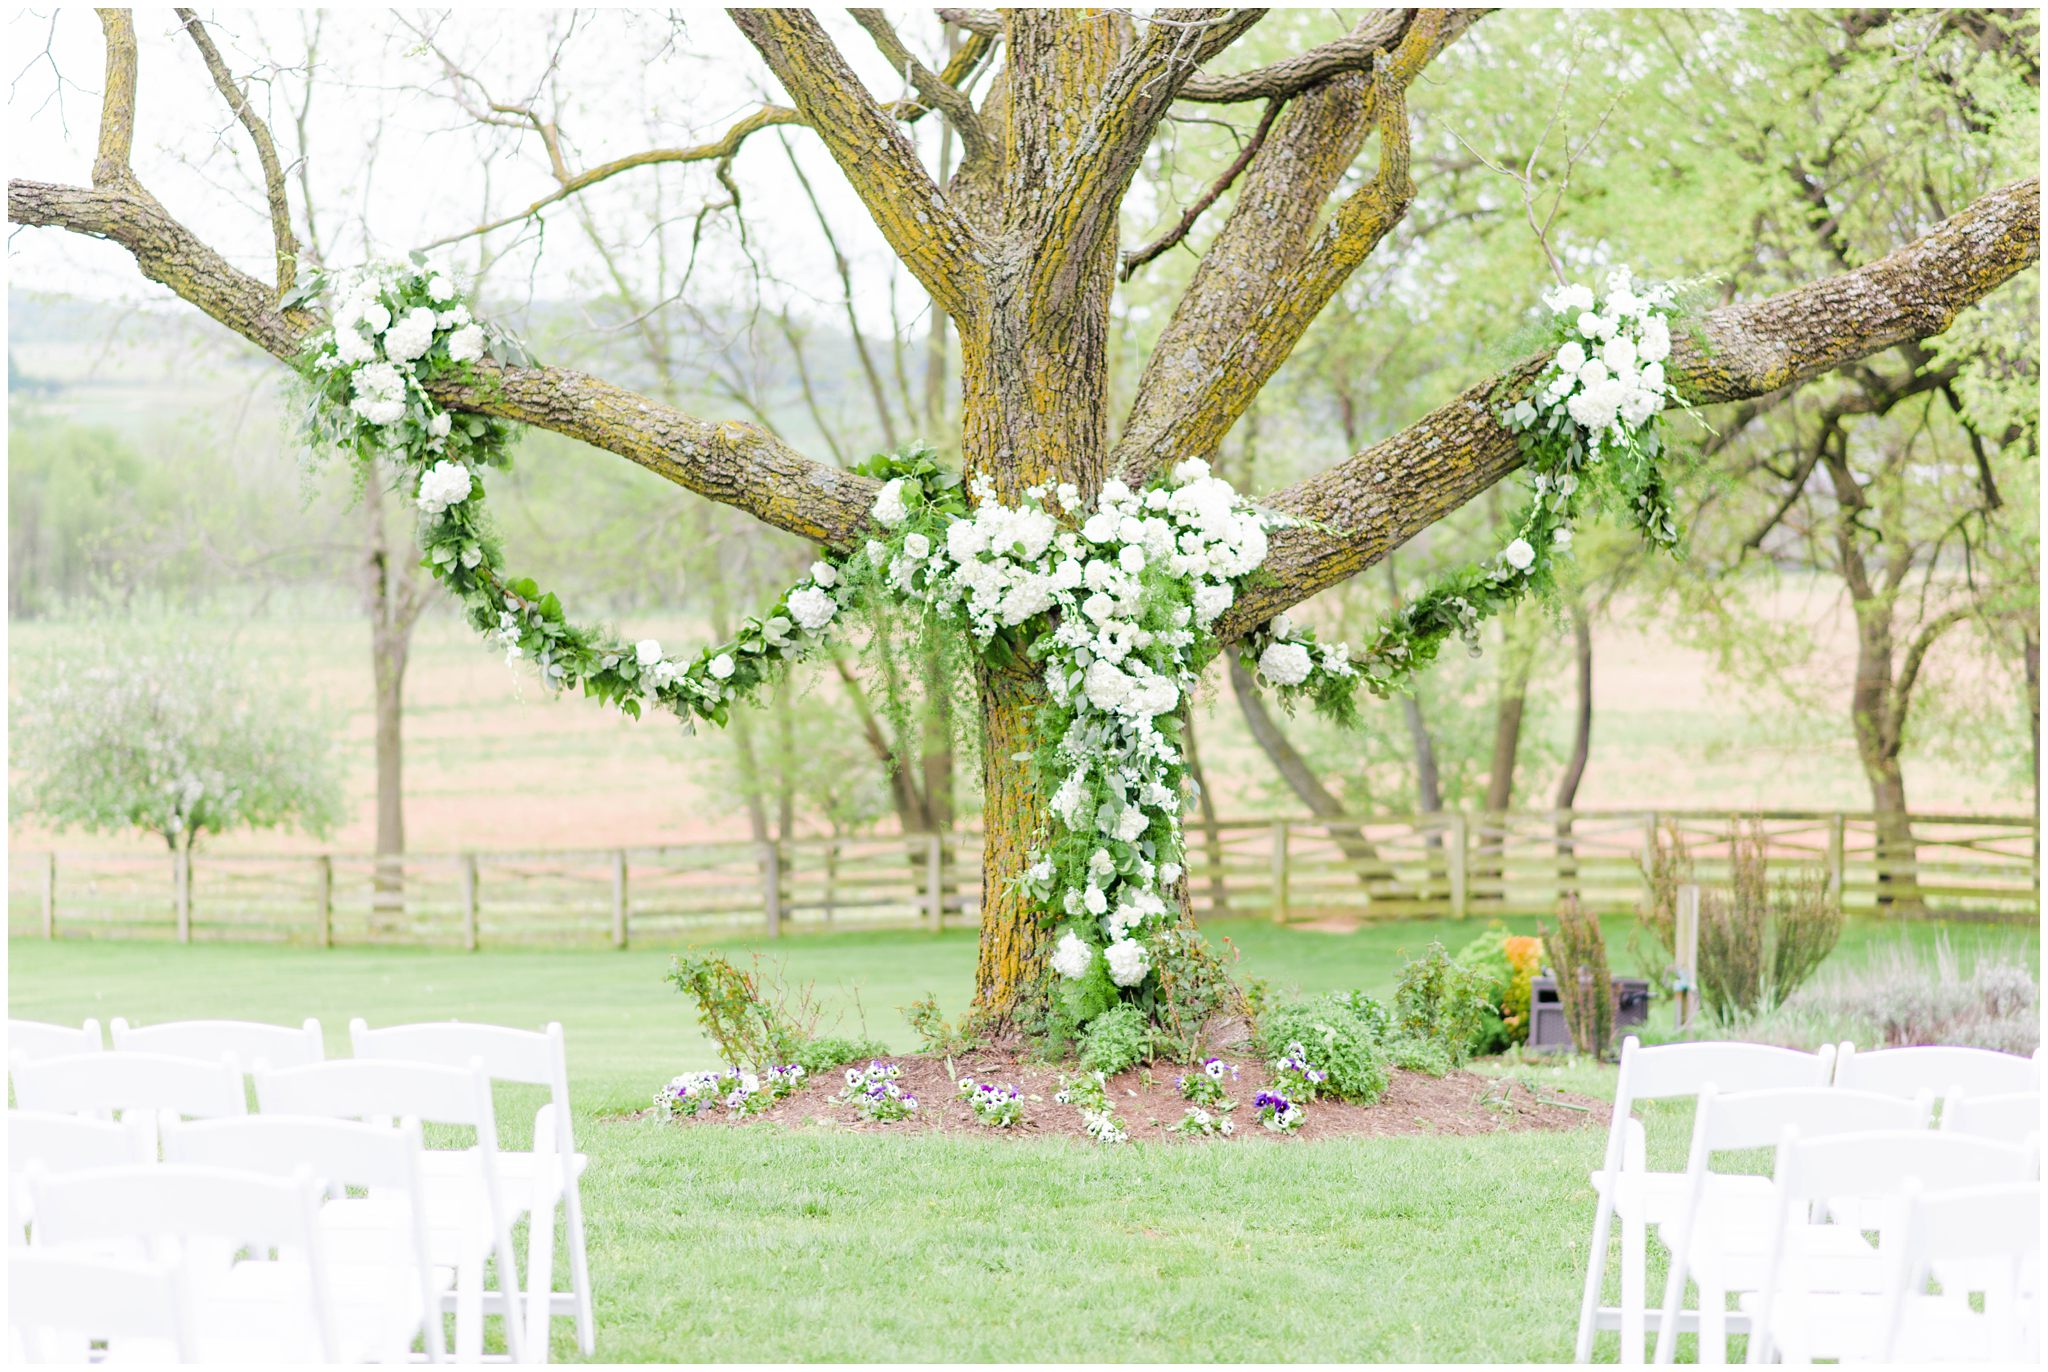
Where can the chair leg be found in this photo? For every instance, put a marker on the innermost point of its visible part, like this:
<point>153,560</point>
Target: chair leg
<point>540,1277</point>
<point>1713,1327</point>
<point>1673,1306</point>
<point>469,1305</point>
<point>1634,1262</point>
<point>508,1286</point>
<point>1596,1272</point>
<point>579,1271</point>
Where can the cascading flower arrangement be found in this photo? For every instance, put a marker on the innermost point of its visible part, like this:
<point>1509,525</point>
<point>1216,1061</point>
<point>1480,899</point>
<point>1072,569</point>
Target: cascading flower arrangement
<point>1111,601</point>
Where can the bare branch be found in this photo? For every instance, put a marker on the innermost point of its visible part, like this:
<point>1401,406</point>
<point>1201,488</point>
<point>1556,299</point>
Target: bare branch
<point>1391,491</point>
<point>987,23</point>
<point>936,93</point>
<point>266,151</point>
<point>1355,51</point>
<point>930,236</point>
<point>1138,257</point>
<point>111,166</point>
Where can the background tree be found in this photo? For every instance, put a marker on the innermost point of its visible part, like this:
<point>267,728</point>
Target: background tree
<point>174,740</point>
<point>1020,248</point>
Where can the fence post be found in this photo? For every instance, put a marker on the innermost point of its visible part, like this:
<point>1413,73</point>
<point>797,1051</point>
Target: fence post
<point>326,861</point>
<point>1837,852</point>
<point>1649,861</point>
<point>619,898</point>
<point>1457,863</point>
<point>469,902</point>
<point>181,878</point>
<point>50,896</point>
<point>1280,901</point>
<point>934,880</point>
<point>771,885</point>
<point>1685,943</point>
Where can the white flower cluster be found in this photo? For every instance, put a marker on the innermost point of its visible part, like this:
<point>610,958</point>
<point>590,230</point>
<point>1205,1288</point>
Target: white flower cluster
<point>379,345</point>
<point>1133,587</point>
<point>1090,1096</point>
<point>1608,377</point>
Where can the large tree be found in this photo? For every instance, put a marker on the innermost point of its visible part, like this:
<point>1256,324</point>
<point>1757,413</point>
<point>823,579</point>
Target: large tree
<point>1019,247</point>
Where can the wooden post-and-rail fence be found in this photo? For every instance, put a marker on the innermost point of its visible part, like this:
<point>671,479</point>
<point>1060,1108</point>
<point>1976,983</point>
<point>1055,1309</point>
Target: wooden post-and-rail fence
<point>1297,869</point>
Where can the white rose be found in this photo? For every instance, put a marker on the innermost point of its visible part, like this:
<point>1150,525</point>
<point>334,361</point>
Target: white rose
<point>1128,962</point>
<point>889,508</point>
<point>1571,357</point>
<point>812,608</point>
<point>1132,560</point>
<point>1100,528</point>
<point>440,424</point>
<point>917,547</point>
<point>1285,664</point>
<point>440,289</point>
<point>722,666</point>
<point>1619,353</point>
<point>647,651</point>
<point>1072,958</point>
<point>1519,555</point>
<point>1592,325</point>
<point>824,573</point>
<point>466,344</point>
<point>442,485</point>
<point>376,316</point>
<point>1656,341</point>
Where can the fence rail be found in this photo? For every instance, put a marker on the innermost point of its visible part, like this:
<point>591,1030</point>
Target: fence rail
<point>1368,867</point>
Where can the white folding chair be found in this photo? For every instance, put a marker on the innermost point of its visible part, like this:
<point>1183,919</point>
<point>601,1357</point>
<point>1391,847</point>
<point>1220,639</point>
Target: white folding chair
<point>1721,1247</point>
<point>209,1040</point>
<point>131,1085</point>
<point>1937,1068</point>
<point>223,1228</point>
<point>1797,1311</point>
<point>379,1263</point>
<point>1627,1188</point>
<point>1993,1233</point>
<point>549,1176</point>
<point>33,1039</point>
<point>64,1143</point>
<point>470,1213</point>
<point>59,1304</point>
<point>2011,1118</point>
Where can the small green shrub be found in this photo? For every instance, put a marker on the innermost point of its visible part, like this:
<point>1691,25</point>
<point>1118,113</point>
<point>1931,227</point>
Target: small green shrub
<point>757,1022</point>
<point>1487,958</point>
<point>939,1036</point>
<point>1115,1039</point>
<point>822,1054</point>
<point>1439,1011</point>
<point>1585,989</point>
<point>1344,1036</point>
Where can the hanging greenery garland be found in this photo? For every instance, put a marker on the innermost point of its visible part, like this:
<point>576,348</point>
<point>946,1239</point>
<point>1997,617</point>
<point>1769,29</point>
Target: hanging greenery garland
<point>1111,602</point>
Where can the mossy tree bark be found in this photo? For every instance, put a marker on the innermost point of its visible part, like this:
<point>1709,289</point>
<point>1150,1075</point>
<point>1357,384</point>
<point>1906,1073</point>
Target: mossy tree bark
<point>1019,248</point>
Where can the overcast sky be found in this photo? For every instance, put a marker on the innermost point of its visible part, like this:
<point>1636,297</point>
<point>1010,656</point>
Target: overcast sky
<point>395,162</point>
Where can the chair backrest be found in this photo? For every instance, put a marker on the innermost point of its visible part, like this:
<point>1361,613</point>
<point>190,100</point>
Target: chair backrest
<point>359,1089</point>
<point>1986,1235</point>
<point>1881,1164</point>
<point>2012,1118</point>
<point>1936,1068</point>
<point>525,1056</point>
<point>33,1039</point>
<point>1683,1069</point>
<point>98,1083</point>
<point>58,1303</point>
<point>210,1040</point>
<point>1760,1119</point>
<point>174,1209</point>
<point>64,1143</point>
<point>340,1153</point>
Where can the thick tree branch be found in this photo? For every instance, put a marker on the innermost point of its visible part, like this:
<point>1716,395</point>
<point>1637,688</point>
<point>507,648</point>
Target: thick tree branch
<point>930,236</point>
<point>266,151</point>
<point>1910,665</point>
<point>1385,495</point>
<point>1267,272</point>
<point>742,465</point>
<point>1357,50</point>
<point>111,166</point>
<point>934,90</point>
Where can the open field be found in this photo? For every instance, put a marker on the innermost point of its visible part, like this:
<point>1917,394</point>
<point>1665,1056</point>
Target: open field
<point>756,1244</point>
<point>492,762</point>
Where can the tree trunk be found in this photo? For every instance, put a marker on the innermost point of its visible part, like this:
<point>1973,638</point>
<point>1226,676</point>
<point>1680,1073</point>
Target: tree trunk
<point>1429,791</point>
<point>1212,833</point>
<point>1010,970</point>
<point>392,598</point>
<point>1877,747</point>
<point>1582,748</point>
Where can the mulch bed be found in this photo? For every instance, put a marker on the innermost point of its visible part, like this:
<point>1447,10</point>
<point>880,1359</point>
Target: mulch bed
<point>1148,1100</point>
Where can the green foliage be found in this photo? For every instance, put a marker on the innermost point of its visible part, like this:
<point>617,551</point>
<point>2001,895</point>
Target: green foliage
<point>172,739</point>
<point>824,1052</point>
<point>1344,1035</point>
<point>938,1036</point>
<point>756,1021</point>
<point>1439,1012</point>
<point>1119,1037</point>
<point>1760,940</point>
<point>1585,990</point>
<point>1487,959</point>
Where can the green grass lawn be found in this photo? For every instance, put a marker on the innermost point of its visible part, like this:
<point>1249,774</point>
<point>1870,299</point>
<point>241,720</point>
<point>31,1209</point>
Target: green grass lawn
<point>715,1244</point>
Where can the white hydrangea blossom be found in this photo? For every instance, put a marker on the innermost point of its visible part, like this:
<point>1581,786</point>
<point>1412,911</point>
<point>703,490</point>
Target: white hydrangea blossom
<point>442,485</point>
<point>812,608</point>
<point>1128,962</point>
<point>1072,957</point>
<point>1285,664</point>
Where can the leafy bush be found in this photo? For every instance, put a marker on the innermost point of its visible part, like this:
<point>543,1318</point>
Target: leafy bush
<point>1585,990</point>
<point>757,1025</point>
<point>1439,1011</point>
<point>1760,942</point>
<point>1345,1036</point>
<point>939,1036</point>
<point>1907,997</point>
<point>1116,1039</point>
<point>1196,992</point>
<point>1506,964</point>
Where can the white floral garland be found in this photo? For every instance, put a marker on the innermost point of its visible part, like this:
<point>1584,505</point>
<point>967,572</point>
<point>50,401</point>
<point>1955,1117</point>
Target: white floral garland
<point>1115,605</point>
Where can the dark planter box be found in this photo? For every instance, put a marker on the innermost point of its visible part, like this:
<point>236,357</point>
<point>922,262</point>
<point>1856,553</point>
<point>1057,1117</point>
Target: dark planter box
<point>1547,1030</point>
